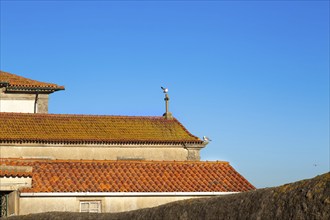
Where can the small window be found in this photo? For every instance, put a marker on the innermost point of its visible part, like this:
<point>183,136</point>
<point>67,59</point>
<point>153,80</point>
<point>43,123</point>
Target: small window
<point>90,206</point>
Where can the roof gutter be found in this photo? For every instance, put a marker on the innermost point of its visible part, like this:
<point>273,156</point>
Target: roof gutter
<point>33,89</point>
<point>4,84</point>
<point>122,194</point>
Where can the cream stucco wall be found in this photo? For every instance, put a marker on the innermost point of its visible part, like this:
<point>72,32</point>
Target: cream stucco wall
<point>26,106</point>
<point>14,183</point>
<point>109,204</point>
<point>99,152</point>
<point>15,102</point>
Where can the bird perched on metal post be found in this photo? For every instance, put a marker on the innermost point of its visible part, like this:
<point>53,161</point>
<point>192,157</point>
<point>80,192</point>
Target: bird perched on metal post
<point>165,90</point>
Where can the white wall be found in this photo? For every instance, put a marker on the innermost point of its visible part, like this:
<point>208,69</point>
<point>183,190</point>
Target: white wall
<point>109,204</point>
<point>26,106</point>
<point>23,102</point>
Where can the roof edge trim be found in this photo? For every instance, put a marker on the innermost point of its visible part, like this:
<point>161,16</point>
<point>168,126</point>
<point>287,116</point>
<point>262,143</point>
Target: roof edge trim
<point>101,142</point>
<point>123,194</point>
<point>33,89</point>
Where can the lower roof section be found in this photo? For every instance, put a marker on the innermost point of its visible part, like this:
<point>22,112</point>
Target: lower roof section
<point>95,176</point>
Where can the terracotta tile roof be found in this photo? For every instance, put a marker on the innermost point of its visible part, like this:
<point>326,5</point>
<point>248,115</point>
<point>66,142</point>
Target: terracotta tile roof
<point>6,173</point>
<point>91,129</point>
<point>14,82</point>
<point>131,176</point>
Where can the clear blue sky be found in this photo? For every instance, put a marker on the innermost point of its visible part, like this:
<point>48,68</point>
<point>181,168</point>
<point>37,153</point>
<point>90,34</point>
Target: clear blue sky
<point>252,75</point>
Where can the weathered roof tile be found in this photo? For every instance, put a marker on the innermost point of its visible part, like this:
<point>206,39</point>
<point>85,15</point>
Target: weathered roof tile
<point>131,176</point>
<point>71,129</point>
<point>5,173</point>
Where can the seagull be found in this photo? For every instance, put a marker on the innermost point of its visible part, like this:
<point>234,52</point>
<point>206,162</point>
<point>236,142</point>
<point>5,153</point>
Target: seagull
<point>206,139</point>
<point>164,89</point>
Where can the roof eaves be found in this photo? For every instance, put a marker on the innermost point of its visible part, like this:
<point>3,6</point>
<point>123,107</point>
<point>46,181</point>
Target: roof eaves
<point>33,89</point>
<point>109,142</point>
<point>4,84</point>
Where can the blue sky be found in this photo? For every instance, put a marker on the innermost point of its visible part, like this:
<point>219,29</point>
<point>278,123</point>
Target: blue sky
<point>252,75</point>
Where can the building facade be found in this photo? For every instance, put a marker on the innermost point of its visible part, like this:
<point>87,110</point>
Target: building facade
<point>19,94</point>
<point>92,163</point>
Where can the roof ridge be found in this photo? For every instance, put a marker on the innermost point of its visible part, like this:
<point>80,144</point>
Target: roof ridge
<point>80,115</point>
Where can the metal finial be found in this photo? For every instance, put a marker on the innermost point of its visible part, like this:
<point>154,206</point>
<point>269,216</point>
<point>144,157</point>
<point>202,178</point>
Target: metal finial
<point>167,114</point>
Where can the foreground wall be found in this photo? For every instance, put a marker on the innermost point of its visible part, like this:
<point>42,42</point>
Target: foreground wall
<point>29,205</point>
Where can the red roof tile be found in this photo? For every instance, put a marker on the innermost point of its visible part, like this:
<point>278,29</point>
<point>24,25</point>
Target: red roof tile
<point>14,82</point>
<point>6,173</point>
<point>86,129</point>
<point>131,176</point>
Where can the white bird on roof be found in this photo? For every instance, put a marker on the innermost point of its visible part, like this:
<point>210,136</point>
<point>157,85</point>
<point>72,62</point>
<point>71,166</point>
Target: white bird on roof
<point>164,89</point>
<point>206,139</point>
